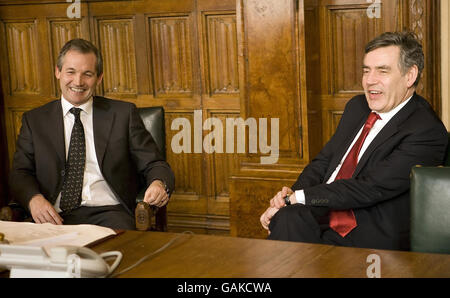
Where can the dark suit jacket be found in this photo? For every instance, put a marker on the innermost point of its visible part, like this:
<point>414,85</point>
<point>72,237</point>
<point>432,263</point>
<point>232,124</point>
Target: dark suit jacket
<point>378,192</point>
<point>125,152</point>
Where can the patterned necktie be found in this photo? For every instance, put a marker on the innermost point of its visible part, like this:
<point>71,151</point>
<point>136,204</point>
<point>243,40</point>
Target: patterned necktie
<point>73,182</point>
<point>343,221</point>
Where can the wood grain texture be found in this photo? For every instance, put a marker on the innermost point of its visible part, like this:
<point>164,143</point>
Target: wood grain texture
<point>119,62</point>
<point>203,256</point>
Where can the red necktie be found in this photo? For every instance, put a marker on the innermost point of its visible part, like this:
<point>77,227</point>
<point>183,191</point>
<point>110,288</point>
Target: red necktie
<point>343,221</point>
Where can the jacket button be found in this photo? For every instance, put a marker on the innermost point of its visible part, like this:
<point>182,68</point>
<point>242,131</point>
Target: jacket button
<point>63,173</point>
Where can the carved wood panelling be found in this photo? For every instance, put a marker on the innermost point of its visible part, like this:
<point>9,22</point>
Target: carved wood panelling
<point>334,118</point>
<point>22,41</point>
<point>117,46</point>
<point>222,54</point>
<point>224,164</point>
<point>255,195</point>
<point>186,166</point>
<point>350,30</point>
<point>60,33</point>
<point>417,25</point>
<point>16,115</point>
<point>171,53</point>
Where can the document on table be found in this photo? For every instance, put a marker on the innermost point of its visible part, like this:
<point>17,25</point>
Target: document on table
<point>47,235</point>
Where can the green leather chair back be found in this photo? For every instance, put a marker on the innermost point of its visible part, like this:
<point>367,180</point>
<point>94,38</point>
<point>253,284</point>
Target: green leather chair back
<point>430,209</point>
<point>153,118</point>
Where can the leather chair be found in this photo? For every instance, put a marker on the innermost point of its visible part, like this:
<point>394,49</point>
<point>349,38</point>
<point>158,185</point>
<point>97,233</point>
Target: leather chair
<point>147,217</point>
<point>430,208</point>
<point>151,217</point>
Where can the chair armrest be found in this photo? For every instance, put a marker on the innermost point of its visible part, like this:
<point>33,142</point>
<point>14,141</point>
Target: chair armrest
<point>14,212</point>
<point>149,217</point>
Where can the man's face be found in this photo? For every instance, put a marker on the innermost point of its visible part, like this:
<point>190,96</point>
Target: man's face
<point>384,84</point>
<point>78,78</point>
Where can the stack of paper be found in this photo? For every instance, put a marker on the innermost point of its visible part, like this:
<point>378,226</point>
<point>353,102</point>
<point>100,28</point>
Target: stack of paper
<point>48,235</point>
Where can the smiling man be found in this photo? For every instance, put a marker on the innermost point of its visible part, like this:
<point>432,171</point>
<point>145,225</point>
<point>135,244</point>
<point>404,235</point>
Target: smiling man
<point>80,160</point>
<point>356,191</point>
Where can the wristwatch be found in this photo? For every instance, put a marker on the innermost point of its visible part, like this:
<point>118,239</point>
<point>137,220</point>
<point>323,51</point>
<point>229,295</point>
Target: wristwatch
<point>287,201</point>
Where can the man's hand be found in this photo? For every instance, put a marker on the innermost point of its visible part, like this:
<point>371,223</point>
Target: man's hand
<point>267,216</point>
<point>156,194</point>
<point>276,203</point>
<point>42,211</point>
<point>278,200</point>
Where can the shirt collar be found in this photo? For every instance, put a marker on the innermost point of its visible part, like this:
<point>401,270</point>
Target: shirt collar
<point>388,115</point>
<point>66,106</point>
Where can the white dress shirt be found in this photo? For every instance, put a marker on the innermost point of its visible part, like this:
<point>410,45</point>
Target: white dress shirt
<point>96,191</point>
<point>377,127</point>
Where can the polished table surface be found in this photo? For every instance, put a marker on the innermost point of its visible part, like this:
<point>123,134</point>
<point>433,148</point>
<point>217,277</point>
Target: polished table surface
<point>208,256</point>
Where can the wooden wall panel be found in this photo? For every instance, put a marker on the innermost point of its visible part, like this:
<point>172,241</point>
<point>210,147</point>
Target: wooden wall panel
<point>348,33</point>
<point>187,166</point>
<point>272,69</point>
<point>172,55</point>
<point>222,165</point>
<point>4,168</point>
<point>21,38</point>
<point>119,62</point>
<point>345,30</point>
<point>222,54</point>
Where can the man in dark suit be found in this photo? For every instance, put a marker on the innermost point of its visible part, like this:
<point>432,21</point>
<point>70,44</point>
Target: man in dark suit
<point>82,159</point>
<point>356,191</point>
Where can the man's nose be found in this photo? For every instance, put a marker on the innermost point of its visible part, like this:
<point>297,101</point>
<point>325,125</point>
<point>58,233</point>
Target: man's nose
<point>77,80</point>
<point>371,78</point>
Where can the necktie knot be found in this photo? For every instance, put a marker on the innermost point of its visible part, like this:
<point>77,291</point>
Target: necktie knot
<point>76,112</point>
<point>373,117</point>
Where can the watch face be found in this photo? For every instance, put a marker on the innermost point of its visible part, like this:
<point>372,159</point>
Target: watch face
<point>286,200</point>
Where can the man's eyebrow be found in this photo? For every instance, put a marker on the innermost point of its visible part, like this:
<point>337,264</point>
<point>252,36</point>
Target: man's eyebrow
<point>377,67</point>
<point>383,67</point>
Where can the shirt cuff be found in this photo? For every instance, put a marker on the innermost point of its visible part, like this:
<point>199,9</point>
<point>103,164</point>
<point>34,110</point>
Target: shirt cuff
<point>300,196</point>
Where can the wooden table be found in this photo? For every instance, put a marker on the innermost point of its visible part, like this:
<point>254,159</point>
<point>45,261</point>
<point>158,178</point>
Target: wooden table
<point>206,256</point>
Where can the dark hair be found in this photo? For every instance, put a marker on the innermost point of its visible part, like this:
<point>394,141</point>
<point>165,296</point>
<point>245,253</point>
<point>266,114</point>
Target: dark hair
<point>82,46</point>
<point>411,52</point>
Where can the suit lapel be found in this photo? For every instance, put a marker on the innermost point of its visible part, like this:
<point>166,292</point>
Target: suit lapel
<point>389,130</point>
<point>347,142</point>
<point>102,120</point>
<point>55,116</point>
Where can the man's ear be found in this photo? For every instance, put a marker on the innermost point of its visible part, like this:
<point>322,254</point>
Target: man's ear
<point>57,72</point>
<point>412,74</point>
<point>99,79</point>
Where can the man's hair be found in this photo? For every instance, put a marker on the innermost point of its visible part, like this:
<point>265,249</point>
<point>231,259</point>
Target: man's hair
<point>411,52</point>
<point>84,47</point>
